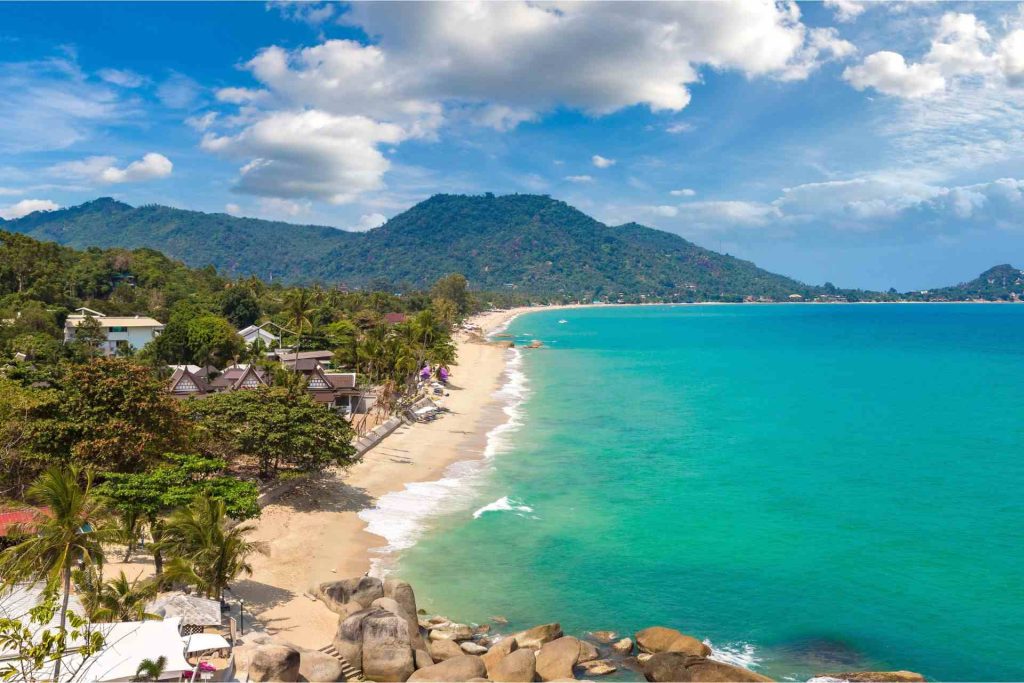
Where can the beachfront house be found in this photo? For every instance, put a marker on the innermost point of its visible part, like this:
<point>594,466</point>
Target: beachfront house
<point>122,332</point>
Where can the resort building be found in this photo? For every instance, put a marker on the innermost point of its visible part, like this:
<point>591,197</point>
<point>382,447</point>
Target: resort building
<point>122,332</point>
<point>271,334</point>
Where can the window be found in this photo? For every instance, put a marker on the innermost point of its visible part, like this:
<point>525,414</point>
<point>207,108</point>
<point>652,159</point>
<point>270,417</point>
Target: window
<point>118,329</point>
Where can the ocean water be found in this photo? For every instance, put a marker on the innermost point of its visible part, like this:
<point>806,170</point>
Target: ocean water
<point>810,488</point>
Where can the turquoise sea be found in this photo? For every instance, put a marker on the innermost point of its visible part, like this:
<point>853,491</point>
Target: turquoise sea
<point>811,488</point>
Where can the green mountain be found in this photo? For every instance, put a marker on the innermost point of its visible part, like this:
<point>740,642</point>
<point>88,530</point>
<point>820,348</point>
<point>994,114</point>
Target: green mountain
<point>529,243</point>
<point>999,283</point>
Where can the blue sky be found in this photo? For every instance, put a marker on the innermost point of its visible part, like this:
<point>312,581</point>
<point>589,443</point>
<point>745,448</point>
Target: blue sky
<point>867,144</point>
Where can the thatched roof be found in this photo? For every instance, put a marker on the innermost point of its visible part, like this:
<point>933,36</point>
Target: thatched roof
<point>192,609</point>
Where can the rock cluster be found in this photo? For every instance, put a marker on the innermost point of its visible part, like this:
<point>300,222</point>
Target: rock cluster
<point>381,632</point>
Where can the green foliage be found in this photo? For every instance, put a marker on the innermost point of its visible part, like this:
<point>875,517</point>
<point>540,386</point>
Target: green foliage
<point>275,428</point>
<point>118,599</point>
<point>20,408</point>
<point>207,553</point>
<point>240,306</point>
<point>150,669</point>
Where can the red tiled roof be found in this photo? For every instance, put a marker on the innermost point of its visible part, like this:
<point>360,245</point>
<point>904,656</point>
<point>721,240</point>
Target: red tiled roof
<point>394,318</point>
<point>17,517</point>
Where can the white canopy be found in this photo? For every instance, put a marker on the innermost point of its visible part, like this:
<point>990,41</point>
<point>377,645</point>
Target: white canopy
<point>198,642</point>
<point>127,644</point>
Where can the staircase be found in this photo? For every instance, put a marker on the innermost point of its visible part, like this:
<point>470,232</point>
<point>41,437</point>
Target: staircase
<point>351,673</point>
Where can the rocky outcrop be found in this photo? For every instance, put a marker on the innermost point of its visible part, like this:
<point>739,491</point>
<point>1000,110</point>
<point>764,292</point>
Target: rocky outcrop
<point>534,638</point>
<point>623,646</point>
<point>378,642</point>
<point>441,650</point>
<point>451,631</point>
<point>499,651</point>
<point>604,636</point>
<point>660,639</point>
<point>471,648</point>
<point>556,659</point>
<point>422,659</point>
<point>317,666</point>
<point>464,668</point>
<point>588,652</point>
<point>274,662</point>
<point>598,667</point>
<point>519,666</point>
<point>401,593</point>
<point>679,666</point>
<point>338,595</point>
<point>876,677</point>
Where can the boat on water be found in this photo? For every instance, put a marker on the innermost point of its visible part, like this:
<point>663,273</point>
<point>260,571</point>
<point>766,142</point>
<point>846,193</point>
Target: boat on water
<point>562,321</point>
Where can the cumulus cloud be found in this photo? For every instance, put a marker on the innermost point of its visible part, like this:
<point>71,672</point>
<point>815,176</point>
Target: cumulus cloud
<point>491,64</point>
<point>717,215</point>
<point>1011,57</point>
<point>309,154</point>
<point>601,162</point>
<point>846,10</point>
<point>25,207</point>
<point>887,72</point>
<point>103,169</point>
<point>369,221</point>
<point>684,192</point>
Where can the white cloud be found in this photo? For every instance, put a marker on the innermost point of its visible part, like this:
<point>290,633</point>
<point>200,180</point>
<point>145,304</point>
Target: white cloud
<point>664,210</point>
<point>846,10</point>
<point>312,13</point>
<point>717,215</point>
<point>959,46</point>
<point>369,221</point>
<point>496,65</point>
<point>601,162</point>
<point>1011,57</point>
<point>149,167</point>
<point>309,154</point>
<point>202,123</point>
<point>10,191</point>
<point>124,78</point>
<point>233,209</point>
<point>684,192</point>
<point>282,209</point>
<point>102,169</point>
<point>25,207</point>
<point>178,91</point>
<point>887,72</point>
<point>579,178</point>
<point>679,127</point>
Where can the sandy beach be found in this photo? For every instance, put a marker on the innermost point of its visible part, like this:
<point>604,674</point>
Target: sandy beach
<point>314,534</point>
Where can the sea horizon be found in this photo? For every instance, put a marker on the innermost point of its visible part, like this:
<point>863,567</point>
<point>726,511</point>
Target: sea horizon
<point>482,506</point>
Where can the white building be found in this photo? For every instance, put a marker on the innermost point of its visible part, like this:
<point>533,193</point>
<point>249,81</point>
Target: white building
<point>271,334</point>
<point>121,331</point>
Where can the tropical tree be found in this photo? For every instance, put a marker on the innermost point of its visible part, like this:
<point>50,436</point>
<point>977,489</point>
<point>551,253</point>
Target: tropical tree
<point>151,670</point>
<point>64,536</point>
<point>119,599</point>
<point>298,307</point>
<point>207,553</point>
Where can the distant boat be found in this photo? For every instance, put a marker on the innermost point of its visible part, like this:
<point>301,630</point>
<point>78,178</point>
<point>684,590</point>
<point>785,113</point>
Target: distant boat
<point>562,322</point>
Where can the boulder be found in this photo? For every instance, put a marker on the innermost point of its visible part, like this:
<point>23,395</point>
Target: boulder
<point>537,636</point>
<point>604,636</point>
<point>402,594</point>
<point>464,668</point>
<point>519,666</point>
<point>498,619</point>
<point>317,666</point>
<point>471,648</point>
<point>400,610</point>
<point>623,647</point>
<point>363,590</point>
<point>274,663</point>
<point>387,647</point>
<point>660,639</point>
<point>588,652</point>
<point>378,642</point>
<point>499,651</point>
<point>876,677</point>
<point>679,666</point>
<point>556,659</point>
<point>451,632</point>
<point>441,650</point>
<point>422,659</point>
<point>598,667</point>
<point>438,619</point>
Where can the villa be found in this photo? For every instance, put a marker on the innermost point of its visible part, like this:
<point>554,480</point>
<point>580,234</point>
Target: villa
<point>122,332</point>
<point>271,334</point>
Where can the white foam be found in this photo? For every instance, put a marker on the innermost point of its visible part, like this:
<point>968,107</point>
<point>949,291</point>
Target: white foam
<point>503,504</point>
<point>737,654</point>
<point>402,516</point>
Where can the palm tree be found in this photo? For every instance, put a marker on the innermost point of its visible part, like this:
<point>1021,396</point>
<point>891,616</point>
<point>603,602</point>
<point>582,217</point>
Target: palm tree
<point>120,599</point>
<point>207,554</point>
<point>298,305</point>
<point>150,670</point>
<point>62,538</point>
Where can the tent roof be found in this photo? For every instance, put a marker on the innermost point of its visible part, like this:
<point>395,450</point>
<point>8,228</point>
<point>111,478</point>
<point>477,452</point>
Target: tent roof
<point>127,644</point>
<point>192,610</point>
<point>198,642</point>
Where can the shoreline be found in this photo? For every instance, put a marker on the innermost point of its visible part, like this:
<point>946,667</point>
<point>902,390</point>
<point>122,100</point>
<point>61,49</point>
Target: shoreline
<point>325,528</point>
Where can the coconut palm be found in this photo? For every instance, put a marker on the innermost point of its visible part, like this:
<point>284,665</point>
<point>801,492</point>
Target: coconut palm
<point>298,306</point>
<point>63,536</point>
<point>150,670</point>
<point>206,553</point>
<point>119,599</point>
